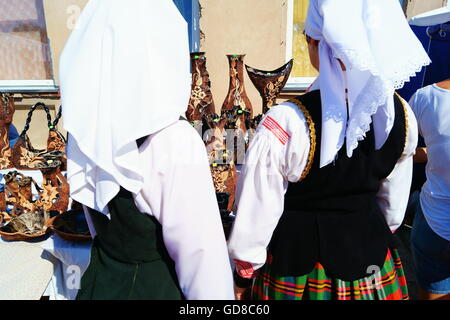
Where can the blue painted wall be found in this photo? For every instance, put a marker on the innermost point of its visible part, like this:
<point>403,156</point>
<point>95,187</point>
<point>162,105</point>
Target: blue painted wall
<point>190,11</point>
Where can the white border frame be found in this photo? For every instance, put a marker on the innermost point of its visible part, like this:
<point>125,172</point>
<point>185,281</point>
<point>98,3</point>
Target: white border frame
<point>294,83</point>
<point>33,86</point>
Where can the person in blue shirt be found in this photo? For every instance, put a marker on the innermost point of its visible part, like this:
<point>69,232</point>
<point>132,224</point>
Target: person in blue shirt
<point>13,135</point>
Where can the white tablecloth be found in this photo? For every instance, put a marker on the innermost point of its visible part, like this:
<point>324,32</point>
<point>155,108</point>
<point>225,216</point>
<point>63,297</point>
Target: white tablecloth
<point>25,270</point>
<point>30,270</point>
<point>74,259</point>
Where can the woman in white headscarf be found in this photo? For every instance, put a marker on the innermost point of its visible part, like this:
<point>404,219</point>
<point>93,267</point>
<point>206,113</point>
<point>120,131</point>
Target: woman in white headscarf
<point>141,173</point>
<point>327,176</point>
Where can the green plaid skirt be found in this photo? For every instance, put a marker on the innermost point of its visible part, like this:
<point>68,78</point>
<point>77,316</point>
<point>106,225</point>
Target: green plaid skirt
<point>388,284</point>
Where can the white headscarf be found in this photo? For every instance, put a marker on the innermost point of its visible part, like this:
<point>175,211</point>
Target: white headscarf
<point>374,41</point>
<point>124,75</point>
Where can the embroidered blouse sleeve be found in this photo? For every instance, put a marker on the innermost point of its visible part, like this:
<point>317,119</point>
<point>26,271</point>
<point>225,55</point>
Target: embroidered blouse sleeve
<point>277,154</point>
<point>179,192</point>
<point>394,191</point>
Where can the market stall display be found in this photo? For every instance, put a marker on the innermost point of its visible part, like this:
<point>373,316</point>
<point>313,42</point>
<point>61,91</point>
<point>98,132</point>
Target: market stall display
<point>227,135</point>
<point>26,214</point>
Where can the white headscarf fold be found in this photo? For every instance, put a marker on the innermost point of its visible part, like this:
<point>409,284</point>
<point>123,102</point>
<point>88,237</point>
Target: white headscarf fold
<point>124,75</point>
<point>374,41</point>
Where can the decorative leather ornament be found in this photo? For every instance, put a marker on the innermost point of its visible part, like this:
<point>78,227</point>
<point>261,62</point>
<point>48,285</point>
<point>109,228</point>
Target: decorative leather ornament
<point>55,188</point>
<point>7,109</point>
<point>2,202</point>
<point>19,193</point>
<point>56,141</point>
<point>24,156</point>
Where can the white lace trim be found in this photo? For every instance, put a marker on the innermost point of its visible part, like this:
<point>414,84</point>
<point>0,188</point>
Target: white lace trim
<point>378,89</point>
<point>409,67</point>
<point>364,108</point>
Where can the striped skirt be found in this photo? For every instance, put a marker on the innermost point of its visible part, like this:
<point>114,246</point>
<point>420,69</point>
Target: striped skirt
<point>387,284</point>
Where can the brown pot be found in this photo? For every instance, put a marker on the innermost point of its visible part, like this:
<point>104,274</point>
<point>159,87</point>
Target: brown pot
<point>270,83</point>
<point>57,224</point>
<point>201,101</point>
<point>237,106</point>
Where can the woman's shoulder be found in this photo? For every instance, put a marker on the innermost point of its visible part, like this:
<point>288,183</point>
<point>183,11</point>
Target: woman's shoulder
<point>284,122</point>
<point>178,135</point>
<point>177,144</point>
<point>297,109</point>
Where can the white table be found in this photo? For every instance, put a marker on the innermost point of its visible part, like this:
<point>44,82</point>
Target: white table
<point>25,270</point>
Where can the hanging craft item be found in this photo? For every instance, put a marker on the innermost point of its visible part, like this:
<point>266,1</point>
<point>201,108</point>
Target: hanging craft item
<point>26,221</point>
<point>201,101</point>
<point>270,83</point>
<point>18,193</point>
<point>237,102</point>
<point>237,109</point>
<point>24,156</point>
<point>2,203</point>
<point>54,195</point>
<point>56,141</point>
<point>224,175</point>
<point>27,226</point>
<point>7,109</point>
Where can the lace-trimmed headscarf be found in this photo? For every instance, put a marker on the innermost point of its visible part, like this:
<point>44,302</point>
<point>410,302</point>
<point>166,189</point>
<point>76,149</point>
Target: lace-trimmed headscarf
<point>380,52</point>
<point>124,75</point>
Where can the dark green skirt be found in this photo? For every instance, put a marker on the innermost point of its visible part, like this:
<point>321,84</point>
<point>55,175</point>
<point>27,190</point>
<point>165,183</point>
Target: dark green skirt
<point>109,279</point>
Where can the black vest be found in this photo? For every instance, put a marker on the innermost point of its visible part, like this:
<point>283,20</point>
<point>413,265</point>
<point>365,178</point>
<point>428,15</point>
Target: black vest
<point>332,216</point>
<point>128,259</point>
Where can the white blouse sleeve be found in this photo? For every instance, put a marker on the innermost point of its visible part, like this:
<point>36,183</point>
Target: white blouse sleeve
<point>277,154</point>
<point>179,193</point>
<point>394,191</point>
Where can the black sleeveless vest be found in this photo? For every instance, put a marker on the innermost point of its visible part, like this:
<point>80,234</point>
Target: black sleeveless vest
<point>332,216</point>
